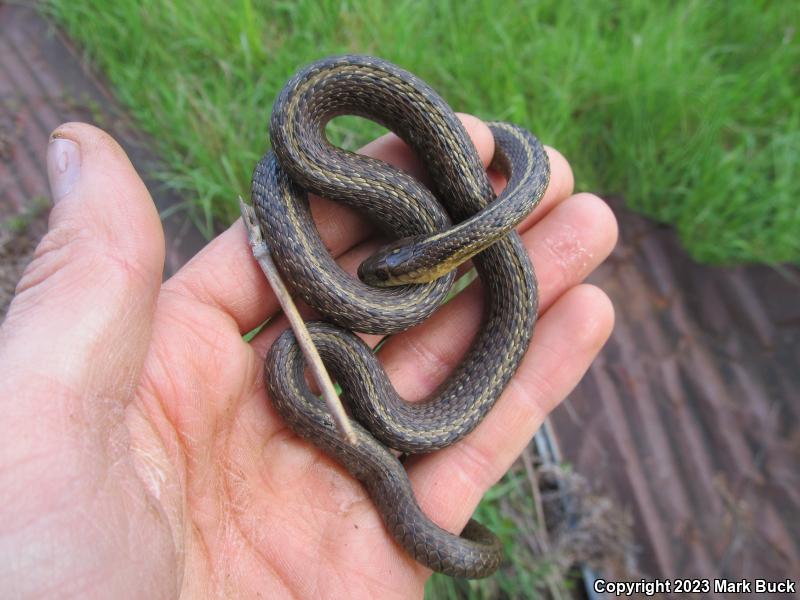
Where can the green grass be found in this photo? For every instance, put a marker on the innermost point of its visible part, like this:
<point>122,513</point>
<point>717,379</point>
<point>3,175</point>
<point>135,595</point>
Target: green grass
<point>688,110</point>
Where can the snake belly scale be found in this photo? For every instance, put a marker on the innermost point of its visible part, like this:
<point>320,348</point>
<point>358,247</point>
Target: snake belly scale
<point>402,284</point>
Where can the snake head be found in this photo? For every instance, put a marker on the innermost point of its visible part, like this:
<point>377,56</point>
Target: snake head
<point>390,266</point>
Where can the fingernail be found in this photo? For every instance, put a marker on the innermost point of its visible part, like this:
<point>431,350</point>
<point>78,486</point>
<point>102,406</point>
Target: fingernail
<point>63,166</point>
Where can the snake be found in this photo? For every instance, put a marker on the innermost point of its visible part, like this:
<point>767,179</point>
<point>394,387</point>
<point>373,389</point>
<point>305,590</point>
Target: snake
<point>437,225</point>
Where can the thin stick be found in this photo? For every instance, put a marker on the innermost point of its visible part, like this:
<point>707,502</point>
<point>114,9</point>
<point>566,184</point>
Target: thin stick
<point>321,376</point>
<point>543,541</point>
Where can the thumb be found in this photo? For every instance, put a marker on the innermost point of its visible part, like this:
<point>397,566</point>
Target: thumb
<point>81,315</point>
<point>71,350</point>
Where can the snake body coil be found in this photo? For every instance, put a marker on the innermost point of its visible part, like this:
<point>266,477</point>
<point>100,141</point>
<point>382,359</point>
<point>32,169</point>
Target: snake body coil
<point>303,161</point>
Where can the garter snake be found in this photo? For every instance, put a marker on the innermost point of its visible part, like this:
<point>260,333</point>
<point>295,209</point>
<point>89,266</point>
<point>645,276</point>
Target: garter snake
<point>402,284</point>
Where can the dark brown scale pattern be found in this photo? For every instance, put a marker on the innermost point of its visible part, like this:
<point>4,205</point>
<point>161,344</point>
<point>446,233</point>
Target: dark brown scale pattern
<point>476,553</point>
<point>304,161</point>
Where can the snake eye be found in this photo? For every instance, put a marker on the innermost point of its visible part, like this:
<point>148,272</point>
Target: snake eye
<point>382,273</point>
<point>374,271</point>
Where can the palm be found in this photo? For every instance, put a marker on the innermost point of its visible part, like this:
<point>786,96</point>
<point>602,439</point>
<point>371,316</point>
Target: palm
<point>259,506</point>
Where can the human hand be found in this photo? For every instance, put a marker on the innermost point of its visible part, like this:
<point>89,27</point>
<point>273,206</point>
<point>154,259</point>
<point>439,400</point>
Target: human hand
<point>141,456</point>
